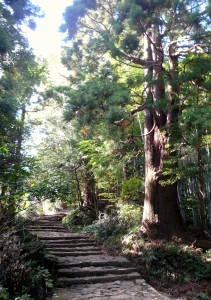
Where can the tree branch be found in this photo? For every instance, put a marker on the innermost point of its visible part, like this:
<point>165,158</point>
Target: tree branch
<point>140,108</point>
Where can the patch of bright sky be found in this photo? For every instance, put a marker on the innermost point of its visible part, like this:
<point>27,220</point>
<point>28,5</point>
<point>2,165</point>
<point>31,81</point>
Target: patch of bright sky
<point>46,40</point>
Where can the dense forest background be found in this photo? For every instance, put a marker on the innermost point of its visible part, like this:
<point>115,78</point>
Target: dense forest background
<point>126,136</point>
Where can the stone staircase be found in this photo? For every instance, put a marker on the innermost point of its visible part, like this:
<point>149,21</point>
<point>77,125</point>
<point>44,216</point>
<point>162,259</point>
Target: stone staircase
<point>82,266</point>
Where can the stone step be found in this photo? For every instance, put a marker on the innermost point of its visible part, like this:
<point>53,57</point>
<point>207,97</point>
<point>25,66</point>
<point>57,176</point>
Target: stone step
<point>66,238</point>
<point>40,226</point>
<point>72,249</point>
<point>68,241</point>
<point>90,258</point>
<point>94,271</point>
<point>83,270</point>
<point>93,263</point>
<point>51,217</point>
<point>74,254</point>
<point>53,244</point>
<point>64,281</point>
<point>47,222</point>
<point>48,230</point>
<point>136,289</point>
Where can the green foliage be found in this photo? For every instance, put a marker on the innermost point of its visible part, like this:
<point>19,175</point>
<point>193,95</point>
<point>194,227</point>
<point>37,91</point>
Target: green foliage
<point>111,228</point>
<point>22,268</point>
<point>130,215</point>
<point>133,190</point>
<point>199,295</point>
<point>17,84</point>
<point>39,275</point>
<point>73,13</point>
<point>195,122</point>
<point>106,229</point>
<point>96,100</point>
<point>22,9</point>
<point>170,263</point>
<point>24,297</point>
<point>79,217</point>
<point>3,293</point>
<point>129,43</point>
<point>178,91</point>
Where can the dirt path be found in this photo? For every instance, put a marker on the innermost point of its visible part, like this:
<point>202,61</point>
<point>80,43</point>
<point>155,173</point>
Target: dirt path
<point>84,271</point>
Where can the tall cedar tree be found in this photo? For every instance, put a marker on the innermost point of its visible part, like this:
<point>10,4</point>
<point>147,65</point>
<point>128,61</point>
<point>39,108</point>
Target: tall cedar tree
<point>156,36</point>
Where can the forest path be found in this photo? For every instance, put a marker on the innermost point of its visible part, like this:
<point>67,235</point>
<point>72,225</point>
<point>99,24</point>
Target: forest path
<point>84,271</point>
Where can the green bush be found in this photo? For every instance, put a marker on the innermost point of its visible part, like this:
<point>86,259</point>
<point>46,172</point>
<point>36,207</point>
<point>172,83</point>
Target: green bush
<point>112,228</point>
<point>133,190</point>
<point>22,269</point>
<point>104,228</point>
<point>79,217</point>
<point>130,214</point>
<point>170,263</point>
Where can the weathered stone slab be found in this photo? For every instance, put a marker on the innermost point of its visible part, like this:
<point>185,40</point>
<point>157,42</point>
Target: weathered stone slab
<point>74,248</point>
<point>75,254</point>
<point>65,281</point>
<point>63,244</point>
<point>93,271</point>
<point>103,258</point>
<point>119,290</point>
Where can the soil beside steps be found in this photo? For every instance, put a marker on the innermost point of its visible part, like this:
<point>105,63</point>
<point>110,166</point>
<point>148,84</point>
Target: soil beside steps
<point>84,271</point>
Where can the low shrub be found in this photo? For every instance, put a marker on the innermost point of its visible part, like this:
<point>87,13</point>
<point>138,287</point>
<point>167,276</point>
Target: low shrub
<point>79,217</point>
<point>22,269</point>
<point>104,228</point>
<point>169,262</point>
<point>112,229</point>
<point>129,215</point>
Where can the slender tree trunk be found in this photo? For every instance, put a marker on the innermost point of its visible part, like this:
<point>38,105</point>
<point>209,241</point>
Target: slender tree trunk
<point>202,193</point>
<point>20,134</point>
<point>161,214</point>
<point>80,200</point>
<point>90,195</point>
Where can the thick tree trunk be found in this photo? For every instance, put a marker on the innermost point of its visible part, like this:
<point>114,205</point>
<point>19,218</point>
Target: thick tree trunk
<point>161,214</point>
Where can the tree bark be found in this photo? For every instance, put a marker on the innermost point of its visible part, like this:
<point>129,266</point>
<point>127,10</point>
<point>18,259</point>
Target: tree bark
<point>161,216</point>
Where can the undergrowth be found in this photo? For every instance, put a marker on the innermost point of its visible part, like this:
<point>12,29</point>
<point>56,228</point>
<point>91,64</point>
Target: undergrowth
<point>170,263</point>
<point>23,271</point>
